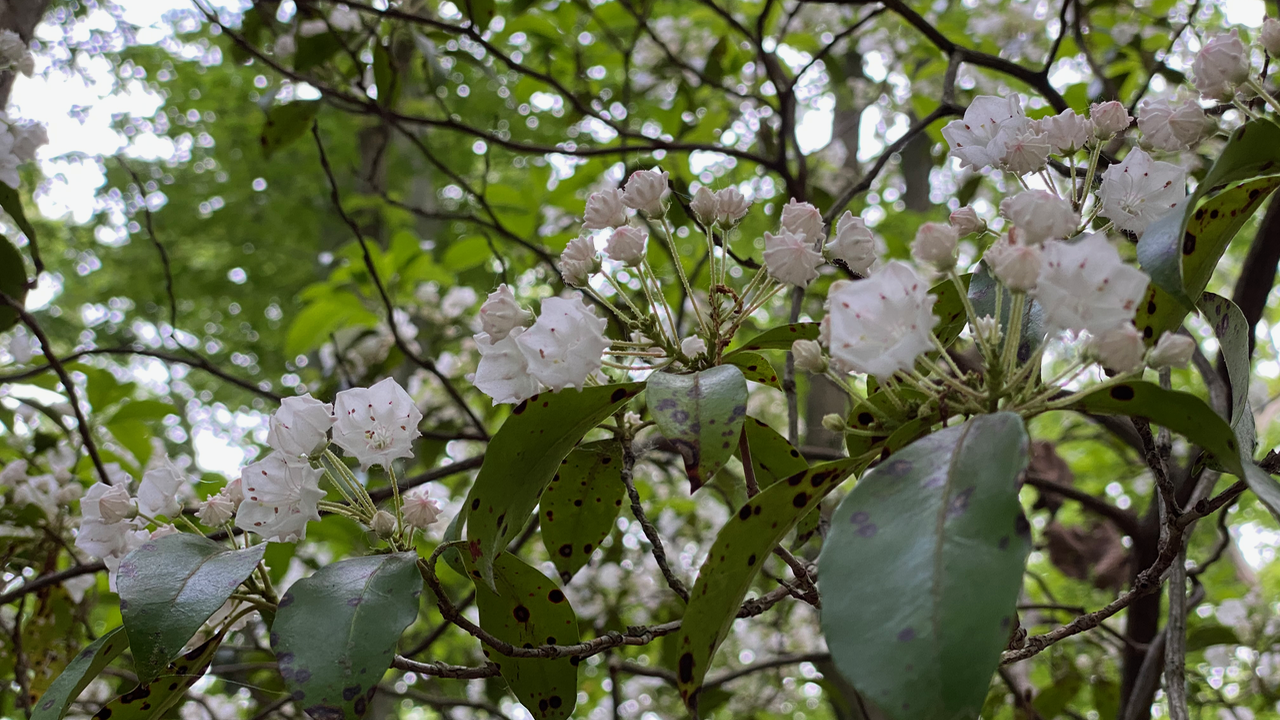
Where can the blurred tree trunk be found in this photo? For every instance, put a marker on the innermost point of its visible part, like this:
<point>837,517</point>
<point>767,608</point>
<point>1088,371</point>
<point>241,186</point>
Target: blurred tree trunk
<point>20,16</point>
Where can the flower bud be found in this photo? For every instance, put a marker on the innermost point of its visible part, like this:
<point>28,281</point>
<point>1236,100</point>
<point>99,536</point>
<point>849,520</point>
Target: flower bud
<point>987,327</point>
<point>217,510</point>
<point>804,220</point>
<point>693,346</point>
<point>647,192</point>
<point>605,210</point>
<point>808,356</point>
<point>1221,66</point>
<point>383,524</point>
<point>704,206</point>
<point>109,503</point>
<point>790,258</point>
<point>1119,350</point>
<point>1171,351</point>
<point>1067,132</point>
<point>853,244</point>
<point>935,244</point>
<point>966,221</point>
<point>500,313</point>
<point>627,245</point>
<point>1040,216</point>
<point>578,262</point>
<point>419,511</point>
<point>731,206</point>
<point>834,423</point>
<point>1015,264</point>
<point>1109,118</point>
<point>1271,36</point>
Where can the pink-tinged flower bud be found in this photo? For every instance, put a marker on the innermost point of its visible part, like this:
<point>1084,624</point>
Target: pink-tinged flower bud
<point>935,244</point>
<point>626,245</point>
<point>853,243</point>
<point>500,313</point>
<point>789,257</point>
<point>1015,264</point>
<point>731,206</point>
<point>578,262</point>
<point>1109,118</point>
<point>647,192</point>
<point>217,510</point>
<point>1221,66</point>
<point>419,511</point>
<point>108,503</point>
<point>704,206</point>
<point>804,220</point>
<point>1040,216</point>
<point>605,210</point>
<point>808,356</point>
<point>966,221</point>
<point>1171,351</point>
<point>1271,36</point>
<point>1067,132</point>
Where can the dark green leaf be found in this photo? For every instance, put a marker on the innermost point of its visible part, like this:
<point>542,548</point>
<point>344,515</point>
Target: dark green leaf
<point>385,76</point>
<point>149,701</point>
<point>12,204</point>
<point>779,338</point>
<point>286,123</point>
<point>701,414</point>
<point>527,610</point>
<point>79,673</point>
<point>1052,700</point>
<point>315,50</point>
<point>982,295</point>
<point>772,457</point>
<point>1252,151</point>
<point>581,504</point>
<point>13,281</point>
<point>1203,636</point>
<point>522,458</point>
<point>336,631</point>
<point>143,410</point>
<point>740,549</point>
<point>922,568</point>
<point>169,587</point>
<point>479,12</point>
<point>949,308</point>
<point>1232,330</point>
<point>755,367</point>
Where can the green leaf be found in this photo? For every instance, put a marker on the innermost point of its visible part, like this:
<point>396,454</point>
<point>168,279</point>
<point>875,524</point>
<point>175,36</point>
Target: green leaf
<point>527,610</point>
<point>1252,150</point>
<point>313,327</point>
<point>949,307</point>
<point>522,458</point>
<point>336,631</point>
<point>286,123</point>
<point>12,204</point>
<point>1181,412</point>
<point>1208,635</point>
<point>79,673</point>
<point>1232,330</point>
<point>151,700</point>
<point>735,558</point>
<point>466,254</point>
<point>982,295</point>
<point>1052,700</point>
<point>581,504</point>
<point>1262,485</point>
<point>143,410</point>
<point>779,338</point>
<point>479,12</point>
<point>755,367</point>
<point>385,77</point>
<point>922,567</point>
<point>701,414</point>
<point>169,587</point>
<point>772,457</point>
<point>315,50</point>
<point>13,281</point>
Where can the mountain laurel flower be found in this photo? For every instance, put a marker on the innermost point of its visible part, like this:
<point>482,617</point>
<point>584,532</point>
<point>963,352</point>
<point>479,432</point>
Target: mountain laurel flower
<point>627,245</point>
<point>383,524</point>
<point>1016,264</point>
<point>500,313</point>
<point>1067,132</point>
<point>880,325</point>
<point>803,219</point>
<point>986,326</point>
<point>853,244</point>
<point>693,346</point>
<point>1221,66</point>
<point>1109,118</point>
<point>344,19</point>
<point>419,510</point>
<point>605,210</point>
<point>216,510</point>
<point>1119,349</point>
<point>1270,36</point>
<point>1171,351</point>
<point>935,244</point>
<point>1138,190</point>
<point>578,262</point>
<point>1040,215</point>
<point>704,205</point>
<point>647,192</point>
<point>280,498</point>
<point>158,491</point>
<point>1169,128</point>
<point>966,221</point>
<point>103,539</point>
<point>1022,150</point>
<point>285,45</point>
<point>1086,286</point>
<point>108,503</point>
<point>790,257</point>
<point>808,356</point>
<point>300,428</point>
<point>503,373</point>
<point>973,140</point>
<point>376,425</point>
<point>27,138</point>
<point>731,206</point>
<point>566,344</point>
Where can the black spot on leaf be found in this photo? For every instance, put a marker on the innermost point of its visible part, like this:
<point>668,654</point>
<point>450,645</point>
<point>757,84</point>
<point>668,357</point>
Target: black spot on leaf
<point>1123,393</point>
<point>686,668</point>
<point>556,596</point>
<point>521,614</point>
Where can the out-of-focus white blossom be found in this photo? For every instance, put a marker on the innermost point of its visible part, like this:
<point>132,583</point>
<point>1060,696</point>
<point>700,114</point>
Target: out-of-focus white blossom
<point>1040,215</point>
<point>1165,127</point>
<point>108,503</point>
<point>1221,66</point>
<point>808,356</point>
<point>344,19</point>
<point>1171,351</point>
<point>935,244</point>
<point>1119,349</point>
<point>966,221</point>
<point>1270,36</point>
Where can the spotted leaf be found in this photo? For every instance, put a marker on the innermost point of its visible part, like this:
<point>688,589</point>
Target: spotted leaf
<point>86,666</point>
<point>701,414</point>
<point>778,338</point>
<point>335,632</point>
<point>1232,331</point>
<point>772,457</point>
<point>756,368</point>
<point>921,570</point>
<point>151,700</point>
<point>580,505</point>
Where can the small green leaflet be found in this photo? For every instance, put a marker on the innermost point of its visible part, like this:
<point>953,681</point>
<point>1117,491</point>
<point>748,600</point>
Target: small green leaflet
<point>528,610</point>
<point>169,587</point>
<point>11,201</point>
<point>779,338</point>
<point>13,281</point>
<point>286,123</point>
<point>523,456</point>
<point>149,701</point>
<point>755,367</point>
<point>701,414</point>
<point>740,549</point>
<point>580,505</point>
<point>87,665</point>
<point>921,570</point>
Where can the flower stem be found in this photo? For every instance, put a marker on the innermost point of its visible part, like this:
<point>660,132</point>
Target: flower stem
<point>684,280</point>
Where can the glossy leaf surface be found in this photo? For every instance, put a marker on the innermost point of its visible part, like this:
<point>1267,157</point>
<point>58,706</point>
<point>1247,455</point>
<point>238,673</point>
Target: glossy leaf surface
<point>701,414</point>
<point>756,368</point>
<point>580,505</point>
<point>778,338</point>
<point>151,700</point>
<point>86,666</point>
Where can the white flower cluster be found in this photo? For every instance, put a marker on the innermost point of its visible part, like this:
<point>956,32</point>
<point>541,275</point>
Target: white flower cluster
<point>340,19</point>
<point>14,54</point>
<point>18,144</point>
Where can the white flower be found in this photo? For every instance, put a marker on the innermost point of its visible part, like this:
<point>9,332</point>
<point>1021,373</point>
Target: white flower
<point>1171,351</point>
<point>69,493</point>
<point>457,301</point>
<point>158,491</point>
<point>803,219</point>
<point>882,324</point>
<point>1109,118</point>
<point>375,425</point>
<point>503,373</point>
<point>1021,150</point>
<point>935,244</point>
<point>14,53</point>
<point>108,503</point>
<point>973,139</point>
<point>13,473</point>
<point>731,206</point>
<point>279,498</point>
<point>986,326</point>
<point>808,356</point>
<point>1086,286</point>
<point>1165,127</point>
<point>1270,36</point>
<point>41,491</point>
<point>566,343</point>
<point>285,45</point>
<point>1040,215</point>
<point>312,27</point>
<point>1221,66</point>
<point>300,427</point>
<point>853,244</point>
<point>1015,264</point>
<point>234,492</point>
<point>344,18</point>
<point>217,510</point>
<point>27,139</point>
<point>966,221</point>
<point>647,192</point>
<point>1119,349</point>
<point>1138,190</point>
<point>790,258</point>
<point>578,262</point>
<point>1067,132</point>
<point>500,313</point>
<point>9,161</point>
<point>419,510</point>
<point>383,524</point>
<point>693,346</point>
<point>705,206</point>
<point>627,245</point>
<point>605,210</point>
<point>102,540</point>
